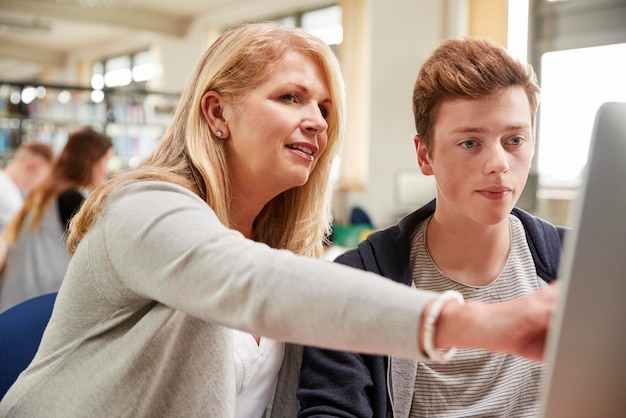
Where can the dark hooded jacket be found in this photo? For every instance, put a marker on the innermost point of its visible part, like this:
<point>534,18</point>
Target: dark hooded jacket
<point>344,384</point>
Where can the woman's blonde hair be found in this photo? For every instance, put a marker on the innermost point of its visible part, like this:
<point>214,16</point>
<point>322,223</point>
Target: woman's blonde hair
<point>190,155</point>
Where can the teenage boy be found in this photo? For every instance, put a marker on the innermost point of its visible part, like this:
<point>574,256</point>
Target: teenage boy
<point>474,108</point>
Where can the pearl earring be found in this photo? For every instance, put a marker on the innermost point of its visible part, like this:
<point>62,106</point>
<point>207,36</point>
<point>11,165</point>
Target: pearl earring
<point>219,133</point>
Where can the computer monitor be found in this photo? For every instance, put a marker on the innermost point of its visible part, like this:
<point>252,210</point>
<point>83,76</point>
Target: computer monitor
<point>586,347</point>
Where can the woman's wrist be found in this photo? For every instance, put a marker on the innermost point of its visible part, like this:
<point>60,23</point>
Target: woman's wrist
<point>430,336</point>
<point>470,325</point>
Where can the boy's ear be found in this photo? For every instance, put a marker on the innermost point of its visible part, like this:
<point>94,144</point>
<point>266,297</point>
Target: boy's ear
<point>423,159</point>
<point>212,109</point>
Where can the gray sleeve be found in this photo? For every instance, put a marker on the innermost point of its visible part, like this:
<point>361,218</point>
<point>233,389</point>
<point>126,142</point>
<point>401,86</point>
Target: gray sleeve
<point>166,244</point>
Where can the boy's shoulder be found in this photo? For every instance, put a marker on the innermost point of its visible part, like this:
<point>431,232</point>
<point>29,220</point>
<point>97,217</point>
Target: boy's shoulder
<point>538,227</point>
<point>545,242</point>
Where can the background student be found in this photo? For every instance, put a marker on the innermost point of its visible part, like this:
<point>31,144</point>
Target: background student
<point>475,109</point>
<point>27,169</point>
<point>169,258</point>
<point>29,166</point>
<point>37,257</point>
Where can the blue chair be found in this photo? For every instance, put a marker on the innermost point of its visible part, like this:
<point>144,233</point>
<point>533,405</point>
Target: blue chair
<point>21,329</point>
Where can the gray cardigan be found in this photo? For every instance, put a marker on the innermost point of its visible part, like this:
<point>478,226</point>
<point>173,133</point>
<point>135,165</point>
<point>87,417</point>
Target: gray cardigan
<point>141,322</point>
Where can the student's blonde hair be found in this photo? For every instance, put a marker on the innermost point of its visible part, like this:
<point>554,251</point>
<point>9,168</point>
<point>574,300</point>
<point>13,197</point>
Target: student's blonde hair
<point>190,155</point>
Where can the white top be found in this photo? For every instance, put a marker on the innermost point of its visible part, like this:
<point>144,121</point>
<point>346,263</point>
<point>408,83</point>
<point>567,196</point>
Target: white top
<point>11,199</point>
<point>256,372</point>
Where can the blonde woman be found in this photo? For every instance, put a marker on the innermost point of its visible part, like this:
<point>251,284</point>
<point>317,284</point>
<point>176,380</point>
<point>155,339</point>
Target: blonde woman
<point>171,257</point>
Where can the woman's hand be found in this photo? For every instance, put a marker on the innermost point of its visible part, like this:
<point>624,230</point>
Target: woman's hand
<point>518,326</point>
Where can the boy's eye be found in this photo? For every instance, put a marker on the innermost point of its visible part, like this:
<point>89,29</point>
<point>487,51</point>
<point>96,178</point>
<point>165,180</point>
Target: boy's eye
<point>517,140</point>
<point>468,143</point>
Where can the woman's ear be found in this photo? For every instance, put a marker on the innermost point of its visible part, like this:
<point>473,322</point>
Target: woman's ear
<point>423,158</point>
<point>212,106</point>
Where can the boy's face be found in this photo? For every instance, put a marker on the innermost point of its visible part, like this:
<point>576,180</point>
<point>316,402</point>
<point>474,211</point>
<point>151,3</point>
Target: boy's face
<point>481,155</point>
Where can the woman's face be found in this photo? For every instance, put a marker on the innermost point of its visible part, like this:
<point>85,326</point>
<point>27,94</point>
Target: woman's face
<point>277,131</point>
<point>99,171</point>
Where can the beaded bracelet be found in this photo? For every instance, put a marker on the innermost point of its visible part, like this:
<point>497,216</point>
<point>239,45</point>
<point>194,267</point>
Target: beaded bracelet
<point>433,353</point>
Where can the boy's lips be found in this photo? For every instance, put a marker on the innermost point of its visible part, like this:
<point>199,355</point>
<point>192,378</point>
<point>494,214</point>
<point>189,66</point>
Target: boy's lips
<point>495,193</point>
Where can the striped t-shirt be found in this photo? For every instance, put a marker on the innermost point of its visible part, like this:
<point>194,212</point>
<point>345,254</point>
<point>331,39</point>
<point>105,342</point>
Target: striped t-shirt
<point>475,382</point>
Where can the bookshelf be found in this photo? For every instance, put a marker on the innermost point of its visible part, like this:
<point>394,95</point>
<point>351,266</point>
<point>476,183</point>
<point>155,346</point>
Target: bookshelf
<point>134,119</point>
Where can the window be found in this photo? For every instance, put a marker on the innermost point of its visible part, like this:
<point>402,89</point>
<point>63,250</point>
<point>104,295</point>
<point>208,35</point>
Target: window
<point>117,71</point>
<point>574,85</point>
<point>144,67</point>
<point>124,70</point>
<point>324,23</point>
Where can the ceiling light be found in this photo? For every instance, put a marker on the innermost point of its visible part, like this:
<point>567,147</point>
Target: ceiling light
<point>103,4</point>
<point>35,24</point>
